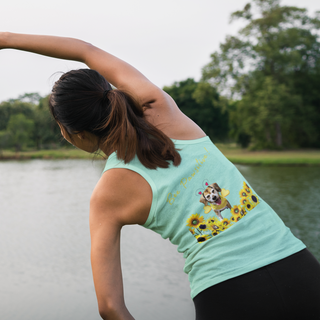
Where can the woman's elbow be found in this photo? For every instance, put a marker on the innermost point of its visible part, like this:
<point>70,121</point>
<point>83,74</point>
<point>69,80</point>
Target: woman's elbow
<point>110,311</point>
<point>105,309</point>
<point>106,313</point>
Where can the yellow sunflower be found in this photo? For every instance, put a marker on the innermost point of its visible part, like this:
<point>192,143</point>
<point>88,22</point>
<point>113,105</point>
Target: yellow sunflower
<point>243,201</point>
<point>215,226</point>
<point>212,220</point>
<point>247,188</point>
<point>203,226</point>
<point>191,230</point>
<point>235,210</point>
<point>194,221</point>
<point>253,199</point>
<point>243,193</point>
<point>203,237</point>
<point>249,206</point>
<point>235,218</point>
<point>226,222</point>
<point>245,185</point>
<point>215,233</point>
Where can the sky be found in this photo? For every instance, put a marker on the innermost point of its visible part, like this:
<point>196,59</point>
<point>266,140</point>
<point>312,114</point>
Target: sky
<point>167,40</point>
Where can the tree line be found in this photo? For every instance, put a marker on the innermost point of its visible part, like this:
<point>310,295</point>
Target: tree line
<point>26,123</point>
<point>260,89</point>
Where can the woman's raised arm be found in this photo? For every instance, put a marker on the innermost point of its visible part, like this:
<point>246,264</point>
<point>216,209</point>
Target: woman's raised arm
<point>119,73</point>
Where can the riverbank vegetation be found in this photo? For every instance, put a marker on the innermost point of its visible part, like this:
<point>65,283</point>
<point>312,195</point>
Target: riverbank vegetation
<point>258,93</point>
<point>234,153</point>
<point>63,153</point>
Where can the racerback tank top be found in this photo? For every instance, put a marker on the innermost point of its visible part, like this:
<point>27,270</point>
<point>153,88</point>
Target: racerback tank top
<point>209,210</point>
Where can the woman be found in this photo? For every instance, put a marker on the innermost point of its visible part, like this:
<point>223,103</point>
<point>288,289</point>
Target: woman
<point>165,174</point>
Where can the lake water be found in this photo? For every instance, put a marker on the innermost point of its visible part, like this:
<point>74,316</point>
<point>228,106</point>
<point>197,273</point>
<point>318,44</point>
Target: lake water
<point>45,268</point>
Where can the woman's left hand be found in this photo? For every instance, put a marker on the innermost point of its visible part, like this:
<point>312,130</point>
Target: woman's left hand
<point>3,36</point>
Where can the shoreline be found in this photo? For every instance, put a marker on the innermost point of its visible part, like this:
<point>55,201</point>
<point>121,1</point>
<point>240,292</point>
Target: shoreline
<point>234,154</point>
<point>58,154</point>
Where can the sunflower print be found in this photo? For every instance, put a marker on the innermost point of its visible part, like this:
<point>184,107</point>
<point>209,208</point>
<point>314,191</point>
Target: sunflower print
<point>235,219</point>
<point>235,210</point>
<point>215,227</point>
<point>216,232</point>
<point>243,193</point>
<point>243,212</point>
<point>246,185</point>
<point>203,226</point>
<point>203,237</point>
<point>247,189</point>
<point>194,221</point>
<point>243,201</point>
<point>249,206</point>
<point>253,199</point>
<point>212,220</point>
<point>204,230</point>
<point>226,223</point>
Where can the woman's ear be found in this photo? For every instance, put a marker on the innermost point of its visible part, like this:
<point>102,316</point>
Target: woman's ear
<point>81,135</point>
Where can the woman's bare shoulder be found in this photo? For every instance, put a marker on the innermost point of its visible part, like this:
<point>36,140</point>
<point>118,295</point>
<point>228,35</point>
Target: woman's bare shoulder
<point>165,114</point>
<point>124,194</point>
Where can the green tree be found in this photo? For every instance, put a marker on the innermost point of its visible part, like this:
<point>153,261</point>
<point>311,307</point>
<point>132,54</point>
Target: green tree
<point>4,141</point>
<point>265,114</point>
<point>12,107</point>
<point>20,130</point>
<point>46,132</point>
<point>202,103</point>
<point>273,67</point>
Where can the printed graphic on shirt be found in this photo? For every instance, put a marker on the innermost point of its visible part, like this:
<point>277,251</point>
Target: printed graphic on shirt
<point>215,202</point>
<point>212,200</point>
<point>186,181</point>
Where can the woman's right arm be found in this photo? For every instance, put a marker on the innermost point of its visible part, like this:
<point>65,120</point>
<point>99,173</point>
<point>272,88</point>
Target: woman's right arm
<point>121,197</point>
<point>119,73</point>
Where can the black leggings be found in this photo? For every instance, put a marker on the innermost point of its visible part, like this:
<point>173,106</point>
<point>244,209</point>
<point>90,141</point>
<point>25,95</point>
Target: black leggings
<point>286,289</point>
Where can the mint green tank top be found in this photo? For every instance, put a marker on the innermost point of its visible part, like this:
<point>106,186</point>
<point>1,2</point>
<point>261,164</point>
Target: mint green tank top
<point>214,216</point>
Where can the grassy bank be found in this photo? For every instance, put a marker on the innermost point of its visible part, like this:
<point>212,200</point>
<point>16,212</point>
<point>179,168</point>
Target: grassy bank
<point>269,158</point>
<point>47,154</point>
<point>232,152</point>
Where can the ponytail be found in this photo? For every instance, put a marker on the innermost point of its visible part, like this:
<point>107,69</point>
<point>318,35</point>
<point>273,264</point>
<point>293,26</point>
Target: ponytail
<point>130,134</point>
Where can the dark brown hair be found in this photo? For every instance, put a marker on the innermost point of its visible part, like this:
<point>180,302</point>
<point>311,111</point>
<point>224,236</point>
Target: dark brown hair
<point>82,100</point>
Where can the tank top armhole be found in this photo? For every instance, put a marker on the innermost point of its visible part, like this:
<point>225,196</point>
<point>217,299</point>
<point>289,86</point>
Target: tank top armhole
<point>152,185</point>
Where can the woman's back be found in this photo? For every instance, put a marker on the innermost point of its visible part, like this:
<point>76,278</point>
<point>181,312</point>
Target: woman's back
<point>207,208</point>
